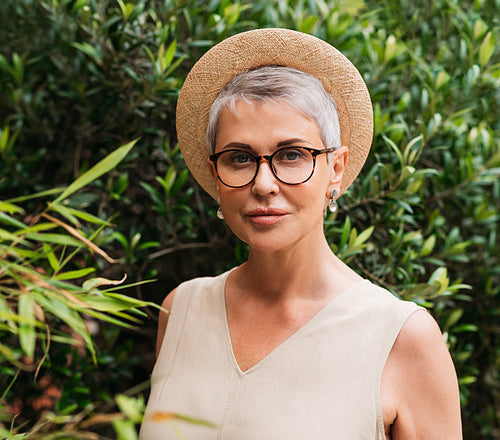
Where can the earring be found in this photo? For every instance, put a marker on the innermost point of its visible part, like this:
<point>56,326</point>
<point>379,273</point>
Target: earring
<point>332,203</point>
<point>220,215</point>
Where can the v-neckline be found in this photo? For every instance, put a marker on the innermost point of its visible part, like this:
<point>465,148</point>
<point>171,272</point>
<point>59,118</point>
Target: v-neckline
<point>278,348</point>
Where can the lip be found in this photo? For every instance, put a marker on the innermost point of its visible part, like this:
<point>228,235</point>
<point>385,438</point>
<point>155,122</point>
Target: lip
<point>266,216</point>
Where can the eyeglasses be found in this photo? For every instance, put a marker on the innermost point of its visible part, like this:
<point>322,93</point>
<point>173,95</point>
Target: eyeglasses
<point>291,165</point>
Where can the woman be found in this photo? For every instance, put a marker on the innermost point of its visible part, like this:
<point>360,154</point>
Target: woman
<point>292,344</point>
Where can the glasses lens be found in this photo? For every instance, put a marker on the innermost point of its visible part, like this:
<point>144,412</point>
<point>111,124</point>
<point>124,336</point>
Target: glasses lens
<point>293,165</point>
<point>236,167</point>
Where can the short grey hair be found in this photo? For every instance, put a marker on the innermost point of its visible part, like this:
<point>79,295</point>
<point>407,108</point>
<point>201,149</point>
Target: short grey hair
<point>278,84</point>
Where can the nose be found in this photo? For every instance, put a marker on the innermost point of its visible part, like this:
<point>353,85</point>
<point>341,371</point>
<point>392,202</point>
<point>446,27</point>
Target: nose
<point>265,181</point>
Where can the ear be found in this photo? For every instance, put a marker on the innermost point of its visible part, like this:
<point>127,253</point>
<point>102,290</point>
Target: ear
<point>338,164</point>
<point>213,173</point>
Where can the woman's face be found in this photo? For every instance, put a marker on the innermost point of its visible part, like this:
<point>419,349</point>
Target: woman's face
<point>267,214</point>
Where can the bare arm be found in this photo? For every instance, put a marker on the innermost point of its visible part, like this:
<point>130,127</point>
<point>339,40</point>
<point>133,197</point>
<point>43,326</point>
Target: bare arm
<point>420,382</point>
<point>163,320</point>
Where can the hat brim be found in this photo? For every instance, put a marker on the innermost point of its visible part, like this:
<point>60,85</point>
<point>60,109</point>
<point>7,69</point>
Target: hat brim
<point>282,47</point>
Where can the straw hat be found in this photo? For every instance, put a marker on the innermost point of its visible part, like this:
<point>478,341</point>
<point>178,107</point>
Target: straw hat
<point>262,47</point>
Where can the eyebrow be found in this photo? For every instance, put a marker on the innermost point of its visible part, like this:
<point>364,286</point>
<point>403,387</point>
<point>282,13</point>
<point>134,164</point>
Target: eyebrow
<point>283,143</point>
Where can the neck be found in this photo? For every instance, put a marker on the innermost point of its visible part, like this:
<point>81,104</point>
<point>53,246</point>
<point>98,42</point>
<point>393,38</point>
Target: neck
<point>314,273</point>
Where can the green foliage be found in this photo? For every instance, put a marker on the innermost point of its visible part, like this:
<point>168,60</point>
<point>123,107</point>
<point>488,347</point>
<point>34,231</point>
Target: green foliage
<point>42,297</point>
<point>78,77</point>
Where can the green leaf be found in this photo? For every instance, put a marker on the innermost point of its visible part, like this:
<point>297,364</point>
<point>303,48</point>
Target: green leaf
<point>131,407</point>
<point>65,212</point>
<point>169,56</point>
<point>18,68</point>
<point>487,48</point>
<point>428,246</point>
<point>8,236</point>
<point>48,192</point>
<point>26,330</point>
<point>110,304</point>
<point>73,274</point>
<point>454,317</point>
<point>10,208</point>
<point>60,307</point>
<point>64,240</point>
<point>105,165</point>
<point>89,50</point>
<point>11,221</point>
<point>49,253</point>
<point>85,216</point>
<point>7,352</point>
<point>125,430</point>
<point>365,235</point>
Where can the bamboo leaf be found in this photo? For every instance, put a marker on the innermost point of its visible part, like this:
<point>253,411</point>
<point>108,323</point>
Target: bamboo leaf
<point>11,221</point>
<point>51,257</point>
<point>99,281</point>
<point>65,212</point>
<point>26,330</point>
<point>48,192</point>
<point>73,274</point>
<point>10,208</point>
<point>105,165</point>
<point>54,238</point>
<point>85,216</point>
<point>80,237</point>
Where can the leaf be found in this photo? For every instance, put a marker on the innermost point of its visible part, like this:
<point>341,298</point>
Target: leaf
<point>65,212</point>
<point>54,238</point>
<point>73,274</point>
<point>8,236</point>
<point>486,49</point>
<point>440,276</point>
<point>428,246</point>
<point>125,430</point>
<point>105,165</point>
<point>80,237</point>
<point>99,281</point>
<point>345,232</point>
<point>10,208</point>
<point>89,50</point>
<point>61,309</point>
<point>85,216</point>
<point>365,235</point>
<point>169,56</point>
<point>11,221</point>
<point>131,407</point>
<point>49,254</point>
<point>48,192</point>
<point>18,68</point>
<point>454,317</point>
<point>26,330</point>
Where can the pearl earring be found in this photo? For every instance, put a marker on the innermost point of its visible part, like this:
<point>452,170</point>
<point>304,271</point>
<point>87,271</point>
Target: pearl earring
<point>332,203</point>
<point>220,215</point>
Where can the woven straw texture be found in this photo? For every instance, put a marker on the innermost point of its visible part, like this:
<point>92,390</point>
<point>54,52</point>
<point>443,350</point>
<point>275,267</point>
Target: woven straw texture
<point>273,47</point>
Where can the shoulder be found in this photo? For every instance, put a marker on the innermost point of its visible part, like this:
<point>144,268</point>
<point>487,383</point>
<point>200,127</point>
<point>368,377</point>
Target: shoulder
<point>421,378</point>
<point>166,307</point>
<point>180,297</point>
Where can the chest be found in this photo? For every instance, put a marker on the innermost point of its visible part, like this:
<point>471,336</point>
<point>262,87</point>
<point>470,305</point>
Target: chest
<point>254,333</point>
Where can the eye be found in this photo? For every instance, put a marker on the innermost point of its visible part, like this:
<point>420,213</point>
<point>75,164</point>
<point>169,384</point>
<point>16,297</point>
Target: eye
<point>290,154</point>
<point>240,157</point>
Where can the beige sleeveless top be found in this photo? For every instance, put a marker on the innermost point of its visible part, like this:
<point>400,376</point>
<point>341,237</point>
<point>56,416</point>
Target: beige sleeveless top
<point>321,383</point>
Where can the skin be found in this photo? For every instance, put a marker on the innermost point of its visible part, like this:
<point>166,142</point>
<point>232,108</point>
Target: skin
<point>287,278</point>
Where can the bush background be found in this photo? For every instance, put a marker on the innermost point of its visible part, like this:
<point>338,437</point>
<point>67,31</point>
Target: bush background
<point>78,78</point>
